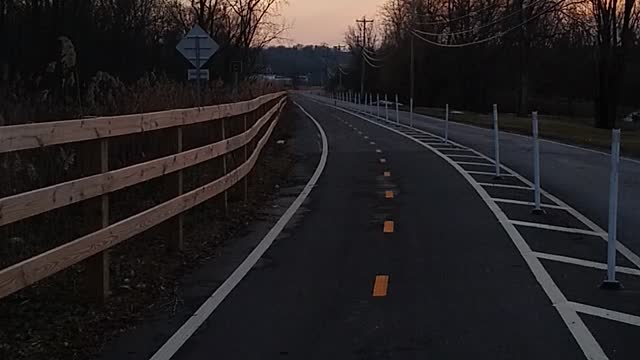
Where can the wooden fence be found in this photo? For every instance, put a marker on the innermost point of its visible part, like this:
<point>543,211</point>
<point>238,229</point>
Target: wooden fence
<point>254,117</point>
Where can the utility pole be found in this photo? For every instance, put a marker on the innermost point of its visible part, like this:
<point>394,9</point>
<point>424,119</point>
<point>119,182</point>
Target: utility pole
<point>337,57</point>
<point>364,22</point>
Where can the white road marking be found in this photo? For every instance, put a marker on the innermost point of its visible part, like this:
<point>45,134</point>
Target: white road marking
<point>488,173</point>
<point>187,330</point>
<point>472,163</point>
<point>624,250</point>
<point>590,347</point>
<point>585,263</point>
<point>555,228</point>
<point>464,156</point>
<point>435,145</point>
<point>528,203</point>
<point>372,143</point>
<point>506,186</point>
<point>604,313</point>
<point>378,151</point>
<point>443,146</point>
<point>366,138</point>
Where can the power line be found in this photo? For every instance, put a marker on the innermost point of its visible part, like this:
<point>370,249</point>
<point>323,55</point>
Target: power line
<point>458,18</point>
<point>374,56</point>
<point>498,35</point>
<point>371,58</point>
<point>480,27</point>
<point>371,64</point>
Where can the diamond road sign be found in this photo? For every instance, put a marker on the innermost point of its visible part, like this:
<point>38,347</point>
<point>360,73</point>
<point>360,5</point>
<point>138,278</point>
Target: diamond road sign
<point>197,47</point>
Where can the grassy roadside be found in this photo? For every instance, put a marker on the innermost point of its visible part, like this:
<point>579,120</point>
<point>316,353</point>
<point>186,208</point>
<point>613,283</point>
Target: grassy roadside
<point>578,131</point>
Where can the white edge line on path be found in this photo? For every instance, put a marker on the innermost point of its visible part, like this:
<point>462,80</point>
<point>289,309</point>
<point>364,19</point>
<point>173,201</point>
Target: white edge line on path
<point>590,347</point>
<point>183,334</point>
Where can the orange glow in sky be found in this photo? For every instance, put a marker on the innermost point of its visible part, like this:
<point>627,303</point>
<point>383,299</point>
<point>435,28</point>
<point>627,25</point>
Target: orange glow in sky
<point>325,21</point>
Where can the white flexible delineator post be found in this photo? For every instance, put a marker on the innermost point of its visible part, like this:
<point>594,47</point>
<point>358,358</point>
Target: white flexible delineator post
<point>612,231</point>
<point>496,139</point>
<point>446,124</point>
<point>386,106</point>
<point>411,112</point>
<point>536,163</point>
<point>397,110</point>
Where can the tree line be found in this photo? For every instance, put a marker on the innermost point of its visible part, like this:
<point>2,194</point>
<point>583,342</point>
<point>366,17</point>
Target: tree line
<point>571,57</point>
<point>55,51</point>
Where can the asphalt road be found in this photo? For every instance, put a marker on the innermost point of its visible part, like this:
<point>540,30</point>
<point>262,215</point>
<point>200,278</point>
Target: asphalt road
<point>457,287</point>
<point>579,176</point>
<point>407,249</point>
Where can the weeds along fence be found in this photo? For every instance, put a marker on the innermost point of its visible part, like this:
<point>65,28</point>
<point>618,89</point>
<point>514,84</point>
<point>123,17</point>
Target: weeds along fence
<point>109,179</point>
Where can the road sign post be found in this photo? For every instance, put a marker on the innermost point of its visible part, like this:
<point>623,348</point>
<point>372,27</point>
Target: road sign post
<point>236,69</point>
<point>197,47</point>
<point>611,283</point>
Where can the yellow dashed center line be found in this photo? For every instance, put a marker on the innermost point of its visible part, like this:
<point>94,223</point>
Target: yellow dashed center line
<point>380,285</point>
<point>388,194</point>
<point>388,227</point>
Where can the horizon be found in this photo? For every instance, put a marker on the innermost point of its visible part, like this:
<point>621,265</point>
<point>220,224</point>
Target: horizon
<point>309,24</point>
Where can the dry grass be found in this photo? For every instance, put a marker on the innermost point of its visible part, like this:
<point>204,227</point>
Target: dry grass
<point>577,131</point>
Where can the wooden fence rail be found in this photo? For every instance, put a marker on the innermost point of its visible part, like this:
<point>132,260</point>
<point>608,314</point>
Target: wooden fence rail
<point>94,245</point>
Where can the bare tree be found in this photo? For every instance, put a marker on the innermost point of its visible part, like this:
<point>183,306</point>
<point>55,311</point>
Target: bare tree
<point>613,22</point>
<point>255,24</point>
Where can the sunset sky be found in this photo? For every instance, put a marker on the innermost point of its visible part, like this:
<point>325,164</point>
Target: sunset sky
<point>325,21</point>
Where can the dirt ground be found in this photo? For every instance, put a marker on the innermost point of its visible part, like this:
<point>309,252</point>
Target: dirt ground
<point>56,320</point>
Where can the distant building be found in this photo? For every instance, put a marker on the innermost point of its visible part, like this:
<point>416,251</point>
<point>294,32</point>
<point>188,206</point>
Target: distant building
<point>276,79</point>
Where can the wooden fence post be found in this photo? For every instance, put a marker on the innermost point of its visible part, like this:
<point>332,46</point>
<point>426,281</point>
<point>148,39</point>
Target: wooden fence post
<point>176,242</point>
<point>224,169</point>
<point>98,265</point>
<point>246,145</point>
